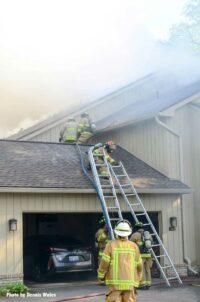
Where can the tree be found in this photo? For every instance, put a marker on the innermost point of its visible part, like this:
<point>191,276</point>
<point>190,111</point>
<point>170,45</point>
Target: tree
<point>187,33</point>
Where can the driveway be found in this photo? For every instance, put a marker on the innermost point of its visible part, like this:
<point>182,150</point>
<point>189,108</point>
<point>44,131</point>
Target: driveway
<point>60,292</point>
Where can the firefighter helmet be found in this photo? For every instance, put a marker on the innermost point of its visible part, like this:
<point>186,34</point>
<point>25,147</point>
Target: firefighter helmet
<point>123,228</point>
<point>102,221</point>
<point>71,119</point>
<point>84,114</point>
<point>110,146</point>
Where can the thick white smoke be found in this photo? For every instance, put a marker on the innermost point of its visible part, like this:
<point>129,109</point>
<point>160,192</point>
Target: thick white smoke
<point>57,53</point>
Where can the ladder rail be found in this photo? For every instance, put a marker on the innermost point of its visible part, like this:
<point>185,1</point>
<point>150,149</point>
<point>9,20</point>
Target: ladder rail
<point>147,218</point>
<point>101,193</point>
<point>104,209</point>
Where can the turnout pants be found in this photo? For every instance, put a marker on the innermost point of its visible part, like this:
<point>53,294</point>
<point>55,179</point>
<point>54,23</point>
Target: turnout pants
<point>146,277</point>
<point>84,137</point>
<point>121,296</point>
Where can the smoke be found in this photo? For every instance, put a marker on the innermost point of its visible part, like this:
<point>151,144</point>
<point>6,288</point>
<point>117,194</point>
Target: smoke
<point>57,53</point>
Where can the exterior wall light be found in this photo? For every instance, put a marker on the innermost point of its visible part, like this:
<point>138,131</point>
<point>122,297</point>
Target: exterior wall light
<point>13,224</point>
<point>173,223</point>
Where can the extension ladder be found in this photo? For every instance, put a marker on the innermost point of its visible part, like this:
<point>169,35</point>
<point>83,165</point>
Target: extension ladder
<point>112,212</point>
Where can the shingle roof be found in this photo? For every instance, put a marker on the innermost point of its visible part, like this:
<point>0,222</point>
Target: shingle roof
<point>52,165</point>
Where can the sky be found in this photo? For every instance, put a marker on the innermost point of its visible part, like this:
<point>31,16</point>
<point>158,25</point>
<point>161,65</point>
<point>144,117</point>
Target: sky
<point>57,53</point>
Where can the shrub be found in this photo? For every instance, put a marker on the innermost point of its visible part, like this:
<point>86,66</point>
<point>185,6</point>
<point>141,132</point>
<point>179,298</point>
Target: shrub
<point>13,288</point>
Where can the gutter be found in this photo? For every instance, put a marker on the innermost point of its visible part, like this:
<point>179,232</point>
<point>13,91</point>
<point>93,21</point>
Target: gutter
<point>176,134</point>
<point>88,191</point>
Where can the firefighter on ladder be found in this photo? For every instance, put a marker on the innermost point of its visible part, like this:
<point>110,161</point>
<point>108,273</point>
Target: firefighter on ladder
<point>85,128</point>
<point>68,133</point>
<point>108,148</point>
<point>121,265</point>
<point>144,241</point>
<point>102,238</point>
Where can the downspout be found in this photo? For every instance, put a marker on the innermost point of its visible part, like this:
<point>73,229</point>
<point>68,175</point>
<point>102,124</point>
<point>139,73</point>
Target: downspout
<point>176,134</point>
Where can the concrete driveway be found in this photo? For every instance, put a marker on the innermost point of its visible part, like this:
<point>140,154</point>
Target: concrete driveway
<point>60,292</point>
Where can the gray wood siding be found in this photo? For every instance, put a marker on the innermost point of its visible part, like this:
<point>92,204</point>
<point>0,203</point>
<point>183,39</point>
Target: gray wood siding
<point>149,142</point>
<point>160,149</point>
<point>14,205</point>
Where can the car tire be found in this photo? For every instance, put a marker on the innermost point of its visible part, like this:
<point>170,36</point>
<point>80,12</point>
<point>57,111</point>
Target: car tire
<point>38,276</point>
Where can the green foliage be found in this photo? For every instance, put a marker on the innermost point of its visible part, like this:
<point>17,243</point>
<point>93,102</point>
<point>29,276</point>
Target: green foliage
<point>13,288</point>
<point>187,33</point>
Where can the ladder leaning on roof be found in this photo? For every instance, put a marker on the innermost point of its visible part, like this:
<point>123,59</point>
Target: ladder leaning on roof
<point>112,212</point>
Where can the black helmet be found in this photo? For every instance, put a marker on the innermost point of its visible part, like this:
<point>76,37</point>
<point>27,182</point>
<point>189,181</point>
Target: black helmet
<point>138,225</point>
<point>84,114</point>
<point>102,221</point>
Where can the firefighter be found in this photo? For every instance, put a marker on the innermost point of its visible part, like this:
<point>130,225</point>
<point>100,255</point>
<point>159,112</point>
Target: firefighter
<point>102,238</point>
<point>68,133</point>
<point>85,128</point>
<point>108,148</point>
<point>144,241</point>
<point>121,265</point>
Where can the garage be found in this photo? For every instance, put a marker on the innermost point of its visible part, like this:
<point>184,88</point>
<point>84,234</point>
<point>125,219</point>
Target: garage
<point>73,228</point>
<point>45,192</point>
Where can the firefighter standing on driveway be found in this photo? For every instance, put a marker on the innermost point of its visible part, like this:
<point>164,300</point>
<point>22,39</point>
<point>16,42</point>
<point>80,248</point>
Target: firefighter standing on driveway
<point>121,265</point>
<point>85,128</point>
<point>102,238</point>
<point>99,149</point>
<point>143,238</point>
<point>68,133</point>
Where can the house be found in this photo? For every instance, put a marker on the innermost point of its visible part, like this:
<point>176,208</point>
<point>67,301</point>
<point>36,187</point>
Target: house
<point>43,187</point>
<point>156,120</point>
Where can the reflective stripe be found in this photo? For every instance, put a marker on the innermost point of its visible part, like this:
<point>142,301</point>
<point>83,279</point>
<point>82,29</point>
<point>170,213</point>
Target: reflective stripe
<point>105,257</point>
<point>139,261</point>
<point>100,275</point>
<point>146,255</point>
<point>122,283</point>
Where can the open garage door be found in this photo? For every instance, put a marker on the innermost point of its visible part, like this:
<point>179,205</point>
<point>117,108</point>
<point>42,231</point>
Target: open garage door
<point>71,236</point>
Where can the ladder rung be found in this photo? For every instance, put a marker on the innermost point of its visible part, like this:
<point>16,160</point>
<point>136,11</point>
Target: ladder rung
<point>112,208</point>
<point>172,278</point>
<point>134,204</point>
<point>121,175</point>
<point>163,267</point>
<point>107,186</point>
<point>116,166</point>
<point>155,244</point>
<point>109,196</point>
<point>140,214</point>
<point>132,194</point>
<point>159,256</point>
<point>153,234</point>
<point>100,165</point>
<point>126,185</point>
<point>146,224</point>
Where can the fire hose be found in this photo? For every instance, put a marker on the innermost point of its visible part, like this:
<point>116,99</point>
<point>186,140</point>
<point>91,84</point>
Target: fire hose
<point>80,297</point>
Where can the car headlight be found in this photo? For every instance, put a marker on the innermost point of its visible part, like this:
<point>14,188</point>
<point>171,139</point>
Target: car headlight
<point>60,257</point>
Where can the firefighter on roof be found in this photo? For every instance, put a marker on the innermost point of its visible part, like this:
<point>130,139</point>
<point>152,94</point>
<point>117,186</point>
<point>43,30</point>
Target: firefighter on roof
<point>85,128</point>
<point>68,133</point>
<point>121,265</point>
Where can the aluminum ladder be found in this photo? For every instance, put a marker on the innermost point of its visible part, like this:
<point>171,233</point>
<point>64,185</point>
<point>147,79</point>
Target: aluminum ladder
<point>138,210</point>
<point>106,192</point>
